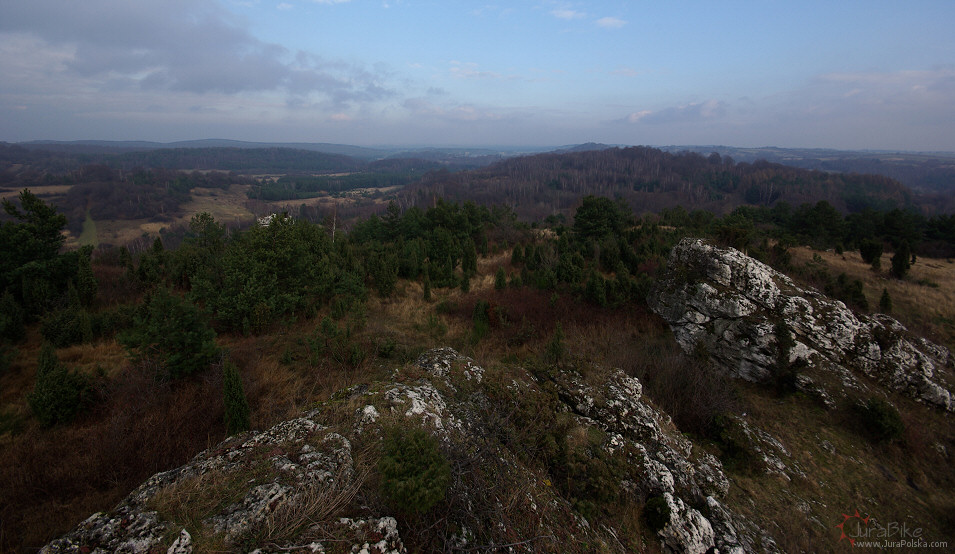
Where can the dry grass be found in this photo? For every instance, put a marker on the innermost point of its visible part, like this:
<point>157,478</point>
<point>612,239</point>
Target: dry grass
<point>42,191</point>
<point>924,300</point>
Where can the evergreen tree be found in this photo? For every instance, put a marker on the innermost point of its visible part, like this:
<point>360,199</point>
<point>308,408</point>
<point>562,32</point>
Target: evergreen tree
<point>517,255</point>
<point>885,302</point>
<point>871,252</point>
<point>469,260</point>
<point>171,332</point>
<point>59,393</point>
<point>500,279</point>
<point>427,285</point>
<point>555,350</point>
<point>11,318</point>
<point>901,261</point>
<point>85,280</point>
<point>237,412</point>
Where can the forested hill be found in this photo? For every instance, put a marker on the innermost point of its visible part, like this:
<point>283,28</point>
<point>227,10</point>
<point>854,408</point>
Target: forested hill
<point>649,179</point>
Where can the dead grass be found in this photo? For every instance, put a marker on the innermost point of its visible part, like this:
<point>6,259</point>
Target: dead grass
<point>909,481</point>
<point>924,300</point>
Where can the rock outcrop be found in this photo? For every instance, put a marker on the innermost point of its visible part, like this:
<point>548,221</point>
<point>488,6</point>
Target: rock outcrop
<point>309,484</point>
<point>733,307</point>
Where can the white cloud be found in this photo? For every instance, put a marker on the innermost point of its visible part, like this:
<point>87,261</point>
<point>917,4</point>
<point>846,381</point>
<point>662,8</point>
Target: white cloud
<point>625,72</point>
<point>330,1</point>
<point>174,46</point>
<point>610,22</point>
<point>567,13</point>
<point>469,70</point>
<point>285,6</point>
<point>686,113</point>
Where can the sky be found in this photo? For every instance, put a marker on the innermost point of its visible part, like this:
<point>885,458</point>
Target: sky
<point>848,74</point>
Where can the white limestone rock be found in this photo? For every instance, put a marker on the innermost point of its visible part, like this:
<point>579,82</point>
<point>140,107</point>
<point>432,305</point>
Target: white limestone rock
<point>727,303</point>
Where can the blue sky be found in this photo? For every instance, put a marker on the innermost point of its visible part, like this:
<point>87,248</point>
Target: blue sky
<point>856,75</point>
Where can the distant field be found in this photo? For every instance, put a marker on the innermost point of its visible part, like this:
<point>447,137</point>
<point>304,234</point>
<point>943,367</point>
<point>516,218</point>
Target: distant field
<point>89,237</point>
<point>42,192</point>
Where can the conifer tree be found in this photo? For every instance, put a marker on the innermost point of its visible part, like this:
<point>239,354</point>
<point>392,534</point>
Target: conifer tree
<point>500,279</point>
<point>59,393</point>
<point>901,261</point>
<point>237,412</point>
<point>885,302</point>
<point>171,332</point>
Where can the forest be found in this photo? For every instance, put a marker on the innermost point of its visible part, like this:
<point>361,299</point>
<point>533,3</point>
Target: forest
<point>115,363</point>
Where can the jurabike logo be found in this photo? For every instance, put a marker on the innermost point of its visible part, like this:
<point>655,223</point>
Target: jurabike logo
<point>869,532</point>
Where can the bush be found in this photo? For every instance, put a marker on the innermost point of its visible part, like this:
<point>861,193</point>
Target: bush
<point>871,252</point>
<point>555,351</point>
<point>415,474</point>
<point>59,394</point>
<point>171,331</point>
<point>902,261</point>
<point>881,422</point>
<point>481,318</point>
<point>656,513</point>
<point>71,325</point>
<point>885,302</point>
<point>237,410</point>
<point>11,318</point>
<point>500,279</point>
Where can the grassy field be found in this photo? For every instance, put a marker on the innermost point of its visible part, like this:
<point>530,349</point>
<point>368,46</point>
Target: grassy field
<point>924,301</point>
<point>88,237</point>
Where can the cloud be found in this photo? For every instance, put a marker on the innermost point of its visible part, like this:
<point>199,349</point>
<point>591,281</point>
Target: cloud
<point>469,70</point>
<point>192,46</point>
<point>285,6</point>
<point>687,113</point>
<point>625,72</point>
<point>330,1</point>
<point>421,107</point>
<point>610,22</point>
<point>567,13</point>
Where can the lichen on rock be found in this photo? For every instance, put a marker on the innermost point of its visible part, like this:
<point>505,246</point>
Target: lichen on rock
<point>291,488</point>
<point>726,303</point>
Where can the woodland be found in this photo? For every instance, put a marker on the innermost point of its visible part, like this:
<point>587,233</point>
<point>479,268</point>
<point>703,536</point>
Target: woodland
<point>119,361</point>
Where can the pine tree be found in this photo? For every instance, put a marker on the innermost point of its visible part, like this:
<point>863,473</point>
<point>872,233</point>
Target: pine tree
<point>237,412</point>
<point>85,280</point>
<point>901,261</point>
<point>172,332</point>
<point>427,285</point>
<point>555,350</point>
<point>500,279</point>
<point>59,393</point>
<point>885,302</point>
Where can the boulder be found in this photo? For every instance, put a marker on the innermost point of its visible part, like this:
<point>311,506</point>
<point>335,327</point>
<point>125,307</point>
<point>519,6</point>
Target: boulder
<point>732,307</point>
<point>293,487</point>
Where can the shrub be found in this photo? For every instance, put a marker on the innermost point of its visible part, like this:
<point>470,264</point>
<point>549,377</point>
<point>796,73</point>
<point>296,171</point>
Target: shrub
<point>71,325</point>
<point>656,513</point>
<point>885,302</point>
<point>871,252</point>
<point>59,393</point>
<point>415,474</point>
<point>500,279</point>
<point>237,410</point>
<point>171,331</point>
<point>481,318</point>
<point>555,350</point>
<point>881,422</point>
<point>901,261</point>
<point>784,376</point>
<point>11,318</point>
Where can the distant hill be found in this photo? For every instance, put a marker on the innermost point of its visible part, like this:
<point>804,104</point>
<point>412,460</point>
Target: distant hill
<point>650,179</point>
<point>921,171</point>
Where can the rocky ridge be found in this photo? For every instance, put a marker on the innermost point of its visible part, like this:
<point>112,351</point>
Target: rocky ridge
<point>309,484</point>
<point>733,308</point>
